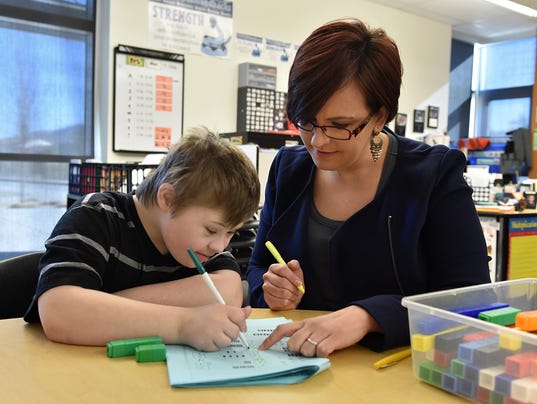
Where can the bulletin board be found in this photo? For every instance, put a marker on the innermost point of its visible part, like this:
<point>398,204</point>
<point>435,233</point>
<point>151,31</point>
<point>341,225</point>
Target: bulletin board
<point>148,99</point>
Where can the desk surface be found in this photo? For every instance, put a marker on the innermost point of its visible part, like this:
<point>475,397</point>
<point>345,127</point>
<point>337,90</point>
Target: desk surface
<point>35,370</point>
<point>482,211</point>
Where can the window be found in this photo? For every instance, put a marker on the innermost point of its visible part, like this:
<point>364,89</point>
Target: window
<point>46,113</point>
<point>501,92</point>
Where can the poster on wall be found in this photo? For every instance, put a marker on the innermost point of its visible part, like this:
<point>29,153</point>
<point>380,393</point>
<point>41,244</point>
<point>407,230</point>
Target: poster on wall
<point>263,50</point>
<point>191,26</point>
<point>522,260</point>
<point>249,46</point>
<point>148,99</point>
<point>278,50</point>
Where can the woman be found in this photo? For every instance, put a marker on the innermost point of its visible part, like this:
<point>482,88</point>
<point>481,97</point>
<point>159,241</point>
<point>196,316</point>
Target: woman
<point>363,216</point>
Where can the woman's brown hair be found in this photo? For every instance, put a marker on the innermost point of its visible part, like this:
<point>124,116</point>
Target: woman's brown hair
<point>338,53</point>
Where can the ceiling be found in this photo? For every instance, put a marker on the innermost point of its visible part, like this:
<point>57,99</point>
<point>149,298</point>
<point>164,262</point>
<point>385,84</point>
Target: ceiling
<point>472,20</point>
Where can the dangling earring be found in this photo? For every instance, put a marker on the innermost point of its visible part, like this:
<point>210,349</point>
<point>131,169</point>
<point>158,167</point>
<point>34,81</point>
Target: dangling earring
<point>375,146</point>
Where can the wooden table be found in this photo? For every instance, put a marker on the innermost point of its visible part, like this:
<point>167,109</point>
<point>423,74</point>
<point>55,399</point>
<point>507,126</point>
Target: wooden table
<point>36,370</point>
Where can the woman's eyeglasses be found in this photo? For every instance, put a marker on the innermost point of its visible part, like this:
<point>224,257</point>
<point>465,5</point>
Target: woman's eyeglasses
<point>334,132</point>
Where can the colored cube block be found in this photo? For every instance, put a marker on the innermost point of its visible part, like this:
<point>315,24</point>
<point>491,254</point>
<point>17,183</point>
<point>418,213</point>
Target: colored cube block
<point>504,316</point>
<point>127,347</point>
<point>526,320</point>
<point>503,383</point>
<point>467,349</point>
<point>524,389</point>
<point>487,376</point>
<point>520,365</point>
<point>150,353</point>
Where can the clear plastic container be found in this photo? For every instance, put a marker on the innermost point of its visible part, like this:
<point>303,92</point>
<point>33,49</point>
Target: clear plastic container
<point>476,359</point>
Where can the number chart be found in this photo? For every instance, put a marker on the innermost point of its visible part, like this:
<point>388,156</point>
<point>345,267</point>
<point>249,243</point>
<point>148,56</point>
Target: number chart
<point>148,99</point>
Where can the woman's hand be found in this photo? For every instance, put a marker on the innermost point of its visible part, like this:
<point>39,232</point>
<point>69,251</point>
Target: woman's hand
<point>322,335</point>
<point>211,327</point>
<point>281,285</point>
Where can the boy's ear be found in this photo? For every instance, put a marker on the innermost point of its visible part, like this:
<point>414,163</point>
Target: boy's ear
<point>165,196</point>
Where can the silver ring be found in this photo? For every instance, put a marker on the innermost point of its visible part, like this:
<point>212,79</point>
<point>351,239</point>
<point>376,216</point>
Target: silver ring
<point>312,342</point>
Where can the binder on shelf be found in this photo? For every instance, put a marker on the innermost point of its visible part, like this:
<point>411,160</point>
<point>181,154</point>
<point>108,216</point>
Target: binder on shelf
<point>85,178</point>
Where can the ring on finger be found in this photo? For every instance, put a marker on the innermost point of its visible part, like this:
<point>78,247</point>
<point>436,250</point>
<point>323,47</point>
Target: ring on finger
<point>312,342</point>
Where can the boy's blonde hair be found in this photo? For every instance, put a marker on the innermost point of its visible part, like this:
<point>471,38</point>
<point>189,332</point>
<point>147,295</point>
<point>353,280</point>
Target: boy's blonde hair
<point>206,170</point>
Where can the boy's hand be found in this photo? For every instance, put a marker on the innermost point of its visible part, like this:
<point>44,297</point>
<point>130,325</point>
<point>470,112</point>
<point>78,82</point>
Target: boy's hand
<point>212,327</point>
<point>281,285</point>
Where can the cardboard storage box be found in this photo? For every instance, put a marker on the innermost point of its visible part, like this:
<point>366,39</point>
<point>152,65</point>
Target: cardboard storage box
<point>455,349</point>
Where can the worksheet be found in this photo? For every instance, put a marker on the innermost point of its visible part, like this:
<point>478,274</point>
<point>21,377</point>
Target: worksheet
<point>240,365</point>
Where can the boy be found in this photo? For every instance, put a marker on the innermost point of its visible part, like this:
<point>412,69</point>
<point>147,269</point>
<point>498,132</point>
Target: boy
<point>116,265</point>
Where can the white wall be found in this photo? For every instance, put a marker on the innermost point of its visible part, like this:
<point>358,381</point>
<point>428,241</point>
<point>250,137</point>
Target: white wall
<point>210,97</point>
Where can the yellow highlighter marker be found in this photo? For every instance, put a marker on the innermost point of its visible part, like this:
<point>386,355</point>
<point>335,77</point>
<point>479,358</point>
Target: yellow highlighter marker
<point>393,359</point>
<point>279,258</point>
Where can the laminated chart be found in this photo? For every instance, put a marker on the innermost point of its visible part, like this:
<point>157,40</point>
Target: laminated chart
<point>148,99</point>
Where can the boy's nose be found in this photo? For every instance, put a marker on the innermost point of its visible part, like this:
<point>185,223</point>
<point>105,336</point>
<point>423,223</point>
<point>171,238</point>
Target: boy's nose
<point>219,245</point>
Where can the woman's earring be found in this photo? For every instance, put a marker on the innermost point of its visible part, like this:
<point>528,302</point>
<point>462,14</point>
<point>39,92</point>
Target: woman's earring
<point>375,146</point>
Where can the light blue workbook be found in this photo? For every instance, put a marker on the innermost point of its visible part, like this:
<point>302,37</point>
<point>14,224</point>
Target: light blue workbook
<point>237,365</point>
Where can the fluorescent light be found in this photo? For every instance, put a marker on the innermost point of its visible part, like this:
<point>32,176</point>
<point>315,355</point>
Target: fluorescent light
<point>519,8</point>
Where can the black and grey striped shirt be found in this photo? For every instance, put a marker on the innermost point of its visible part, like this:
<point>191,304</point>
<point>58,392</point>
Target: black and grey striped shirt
<point>100,244</point>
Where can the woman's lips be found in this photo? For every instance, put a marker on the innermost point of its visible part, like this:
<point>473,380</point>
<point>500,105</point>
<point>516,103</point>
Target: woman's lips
<point>320,153</point>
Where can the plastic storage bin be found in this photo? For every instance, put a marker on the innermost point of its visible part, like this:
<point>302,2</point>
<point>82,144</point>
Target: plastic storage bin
<point>464,355</point>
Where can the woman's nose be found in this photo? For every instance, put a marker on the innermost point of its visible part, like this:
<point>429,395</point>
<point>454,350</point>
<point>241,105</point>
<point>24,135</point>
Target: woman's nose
<point>318,137</point>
